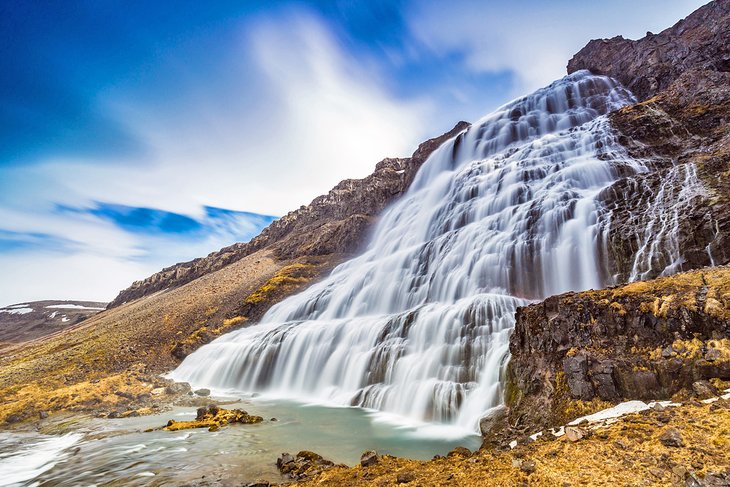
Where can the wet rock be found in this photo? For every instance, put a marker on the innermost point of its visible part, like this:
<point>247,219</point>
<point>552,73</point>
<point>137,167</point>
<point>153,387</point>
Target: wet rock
<point>576,372</point>
<point>178,388</point>
<point>284,459</point>
<point>671,438</point>
<point>405,477</point>
<point>493,422</point>
<point>43,414</point>
<point>203,392</point>
<point>213,418</point>
<point>305,464</point>
<point>113,415</point>
<point>577,346</point>
<point>273,420</point>
<point>368,458</point>
<point>259,483</point>
<point>703,389</point>
<point>13,418</point>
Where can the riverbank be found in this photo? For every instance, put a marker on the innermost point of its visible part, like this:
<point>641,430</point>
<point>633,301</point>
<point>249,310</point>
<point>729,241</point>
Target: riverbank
<point>686,444</point>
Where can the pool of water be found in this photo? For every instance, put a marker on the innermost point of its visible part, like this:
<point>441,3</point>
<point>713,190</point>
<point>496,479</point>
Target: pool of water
<point>119,452</point>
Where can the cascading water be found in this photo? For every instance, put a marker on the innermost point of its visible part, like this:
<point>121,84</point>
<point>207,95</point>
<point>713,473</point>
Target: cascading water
<point>419,324</point>
<point>659,252</point>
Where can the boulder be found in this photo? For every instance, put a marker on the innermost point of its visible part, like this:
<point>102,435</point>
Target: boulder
<point>368,458</point>
<point>671,437</point>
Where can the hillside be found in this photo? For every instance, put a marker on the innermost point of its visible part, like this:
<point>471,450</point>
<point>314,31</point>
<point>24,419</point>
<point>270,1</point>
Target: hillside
<point>181,308</point>
<point>27,321</point>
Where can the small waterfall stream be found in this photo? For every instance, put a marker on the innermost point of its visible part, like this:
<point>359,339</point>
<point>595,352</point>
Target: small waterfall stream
<point>419,324</point>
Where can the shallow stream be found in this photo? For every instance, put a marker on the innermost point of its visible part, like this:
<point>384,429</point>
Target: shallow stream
<point>119,452</point>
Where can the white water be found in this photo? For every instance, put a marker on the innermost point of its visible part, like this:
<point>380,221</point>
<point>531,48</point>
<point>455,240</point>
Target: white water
<point>659,252</point>
<point>419,324</point>
<point>31,460</point>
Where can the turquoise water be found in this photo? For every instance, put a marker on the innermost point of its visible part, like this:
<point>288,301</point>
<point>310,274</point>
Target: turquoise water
<point>119,452</point>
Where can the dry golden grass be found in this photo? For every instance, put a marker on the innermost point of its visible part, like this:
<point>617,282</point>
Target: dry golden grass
<point>626,453</point>
<point>80,369</point>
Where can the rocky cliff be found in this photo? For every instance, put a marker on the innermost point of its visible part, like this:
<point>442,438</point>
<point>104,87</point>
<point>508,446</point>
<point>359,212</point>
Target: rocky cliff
<point>675,215</point>
<point>335,223</point>
<point>579,352</point>
<point>576,353</point>
<point>651,64</point>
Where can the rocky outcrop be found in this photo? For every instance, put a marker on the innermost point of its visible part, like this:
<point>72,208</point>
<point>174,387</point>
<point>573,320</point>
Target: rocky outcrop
<point>213,418</point>
<point>335,223</point>
<point>576,353</point>
<point>675,216</point>
<point>651,64</point>
<point>303,465</point>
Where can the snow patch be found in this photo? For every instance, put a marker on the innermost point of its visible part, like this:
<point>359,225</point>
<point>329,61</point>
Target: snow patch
<point>17,311</point>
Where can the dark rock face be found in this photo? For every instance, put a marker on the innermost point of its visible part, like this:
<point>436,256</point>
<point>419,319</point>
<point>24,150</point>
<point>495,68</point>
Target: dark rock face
<point>304,465</point>
<point>578,352</point>
<point>681,207</point>
<point>336,223</point>
<point>651,64</point>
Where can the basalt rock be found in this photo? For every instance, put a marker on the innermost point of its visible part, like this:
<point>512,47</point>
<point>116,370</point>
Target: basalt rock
<point>335,223</point>
<point>576,353</point>
<point>302,466</point>
<point>649,65</point>
<point>676,215</point>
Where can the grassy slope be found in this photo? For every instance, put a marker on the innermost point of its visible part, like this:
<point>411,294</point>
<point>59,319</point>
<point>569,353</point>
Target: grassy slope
<point>123,349</point>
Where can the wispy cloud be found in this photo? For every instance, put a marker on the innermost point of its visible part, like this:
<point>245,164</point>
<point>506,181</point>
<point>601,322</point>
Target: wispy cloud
<point>287,115</point>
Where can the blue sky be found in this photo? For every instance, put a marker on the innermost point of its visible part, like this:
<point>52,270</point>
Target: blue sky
<point>137,134</point>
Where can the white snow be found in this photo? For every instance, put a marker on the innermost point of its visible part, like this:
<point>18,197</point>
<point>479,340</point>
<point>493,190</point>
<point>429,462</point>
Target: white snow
<point>17,311</point>
<point>72,306</point>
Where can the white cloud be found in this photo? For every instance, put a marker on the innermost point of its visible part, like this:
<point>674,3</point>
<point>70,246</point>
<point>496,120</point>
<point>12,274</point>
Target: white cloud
<point>317,117</point>
<point>76,276</point>
<point>293,116</point>
<point>534,40</point>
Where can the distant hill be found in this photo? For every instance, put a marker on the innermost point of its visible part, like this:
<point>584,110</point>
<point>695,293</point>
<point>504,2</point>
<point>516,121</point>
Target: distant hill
<point>27,321</point>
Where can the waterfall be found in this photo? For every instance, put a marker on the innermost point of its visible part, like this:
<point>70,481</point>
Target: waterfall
<point>659,252</point>
<point>418,325</point>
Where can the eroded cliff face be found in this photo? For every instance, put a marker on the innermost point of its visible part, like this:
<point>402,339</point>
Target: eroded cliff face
<point>651,64</point>
<point>675,216</point>
<point>335,223</point>
<point>579,352</point>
